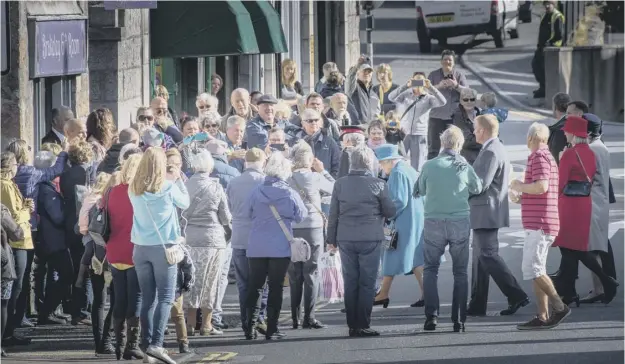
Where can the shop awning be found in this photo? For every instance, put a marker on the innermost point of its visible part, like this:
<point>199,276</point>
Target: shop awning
<point>266,21</point>
<point>200,29</point>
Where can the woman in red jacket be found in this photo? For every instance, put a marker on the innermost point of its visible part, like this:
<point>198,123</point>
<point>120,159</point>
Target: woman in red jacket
<point>119,254</point>
<point>577,163</point>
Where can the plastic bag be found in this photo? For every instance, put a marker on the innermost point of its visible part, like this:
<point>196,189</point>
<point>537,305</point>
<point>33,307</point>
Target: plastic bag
<point>331,289</point>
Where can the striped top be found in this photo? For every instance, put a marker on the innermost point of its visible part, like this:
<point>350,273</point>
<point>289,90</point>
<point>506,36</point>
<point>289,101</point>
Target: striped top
<point>540,212</point>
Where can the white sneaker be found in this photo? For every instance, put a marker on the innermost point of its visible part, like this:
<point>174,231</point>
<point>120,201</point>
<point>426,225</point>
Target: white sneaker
<point>159,353</point>
<point>148,359</point>
<point>215,331</point>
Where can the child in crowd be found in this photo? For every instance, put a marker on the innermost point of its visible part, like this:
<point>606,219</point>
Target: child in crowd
<point>488,102</point>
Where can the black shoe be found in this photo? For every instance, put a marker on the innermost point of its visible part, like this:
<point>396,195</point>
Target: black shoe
<point>368,333</point>
<point>592,298</point>
<point>475,313</point>
<point>430,323</point>
<point>50,320</point>
<point>458,326</point>
<point>353,332</point>
<point>558,316</point>
<point>568,300</point>
<point>183,348</point>
<point>221,325</point>
<point>106,349</point>
<point>313,324</point>
<point>343,310</point>
<point>295,325</point>
<point>514,307</point>
<point>275,336</point>
<point>384,303</point>
<point>16,341</point>
<point>419,303</point>
<point>26,323</point>
<point>609,288</point>
<point>535,323</point>
<point>538,94</point>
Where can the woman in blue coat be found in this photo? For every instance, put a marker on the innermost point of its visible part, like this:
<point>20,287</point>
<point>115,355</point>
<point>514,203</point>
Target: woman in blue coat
<point>407,258</point>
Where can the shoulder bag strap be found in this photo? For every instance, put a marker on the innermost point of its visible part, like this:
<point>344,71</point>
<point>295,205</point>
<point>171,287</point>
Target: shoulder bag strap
<point>153,222</point>
<point>584,168</point>
<point>409,108</point>
<point>286,232</point>
<point>307,198</point>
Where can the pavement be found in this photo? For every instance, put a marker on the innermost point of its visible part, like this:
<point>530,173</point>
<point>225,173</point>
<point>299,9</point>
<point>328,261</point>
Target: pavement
<point>592,334</point>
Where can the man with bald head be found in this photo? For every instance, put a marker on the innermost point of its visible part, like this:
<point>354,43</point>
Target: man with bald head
<point>110,163</point>
<point>56,135</point>
<point>240,106</point>
<point>75,129</point>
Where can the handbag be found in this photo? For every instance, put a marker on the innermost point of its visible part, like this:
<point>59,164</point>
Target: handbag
<point>578,188</point>
<point>391,237</point>
<point>307,199</point>
<point>300,249</point>
<point>99,228</point>
<point>175,253</point>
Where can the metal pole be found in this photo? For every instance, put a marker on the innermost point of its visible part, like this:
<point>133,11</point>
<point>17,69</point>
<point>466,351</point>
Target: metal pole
<point>369,31</point>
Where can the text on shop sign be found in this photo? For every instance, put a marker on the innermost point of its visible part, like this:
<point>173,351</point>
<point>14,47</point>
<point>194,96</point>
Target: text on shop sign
<point>60,48</point>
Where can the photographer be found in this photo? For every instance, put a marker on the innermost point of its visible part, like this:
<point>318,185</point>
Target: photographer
<point>359,89</point>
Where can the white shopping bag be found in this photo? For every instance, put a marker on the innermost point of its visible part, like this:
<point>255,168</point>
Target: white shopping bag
<point>331,289</point>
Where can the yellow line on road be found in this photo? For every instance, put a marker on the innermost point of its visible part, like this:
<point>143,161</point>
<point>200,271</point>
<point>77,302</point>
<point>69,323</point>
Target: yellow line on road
<point>212,358</point>
<point>529,115</point>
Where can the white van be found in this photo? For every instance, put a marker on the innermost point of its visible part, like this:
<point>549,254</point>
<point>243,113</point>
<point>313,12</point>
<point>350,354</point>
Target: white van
<point>445,19</point>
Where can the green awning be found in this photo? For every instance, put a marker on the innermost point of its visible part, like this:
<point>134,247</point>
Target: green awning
<point>267,26</point>
<point>201,29</point>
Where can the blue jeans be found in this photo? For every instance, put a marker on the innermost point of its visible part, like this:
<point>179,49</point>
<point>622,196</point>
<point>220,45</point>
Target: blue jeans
<point>437,234</point>
<point>127,293</point>
<point>242,271</point>
<point>222,285</point>
<point>157,280</point>
<point>360,261</point>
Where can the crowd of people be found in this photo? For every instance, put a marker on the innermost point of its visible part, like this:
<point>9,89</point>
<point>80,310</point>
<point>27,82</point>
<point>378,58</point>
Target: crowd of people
<point>155,216</point>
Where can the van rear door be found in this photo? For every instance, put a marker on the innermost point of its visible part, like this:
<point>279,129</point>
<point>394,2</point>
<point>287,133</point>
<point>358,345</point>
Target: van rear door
<point>443,14</point>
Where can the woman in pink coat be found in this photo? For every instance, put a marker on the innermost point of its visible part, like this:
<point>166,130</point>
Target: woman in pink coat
<point>577,163</point>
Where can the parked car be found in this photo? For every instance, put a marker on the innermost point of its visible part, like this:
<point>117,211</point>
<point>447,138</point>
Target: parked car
<point>446,19</point>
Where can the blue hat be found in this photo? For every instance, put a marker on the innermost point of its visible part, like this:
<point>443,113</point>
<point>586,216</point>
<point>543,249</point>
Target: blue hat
<point>387,152</point>
<point>595,124</point>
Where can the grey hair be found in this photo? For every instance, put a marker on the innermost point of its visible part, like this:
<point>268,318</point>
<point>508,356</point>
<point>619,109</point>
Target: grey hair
<point>278,166</point>
<point>210,117</point>
<point>234,120</point>
<point>310,113</point>
<point>452,138</point>
<point>206,98</point>
<point>538,131</point>
<point>468,91</point>
<point>44,159</point>
<point>302,155</point>
<point>202,161</point>
<point>579,140</point>
<point>355,139</point>
<point>361,159</point>
<point>489,99</point>
<point>128,135</point>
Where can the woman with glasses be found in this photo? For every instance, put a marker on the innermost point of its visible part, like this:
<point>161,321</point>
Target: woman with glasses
<point>206,103</point>
<point>211,122</point>
<point>463,118</point>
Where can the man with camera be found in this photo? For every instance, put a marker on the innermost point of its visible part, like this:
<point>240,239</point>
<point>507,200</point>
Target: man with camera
<point>359,89</point>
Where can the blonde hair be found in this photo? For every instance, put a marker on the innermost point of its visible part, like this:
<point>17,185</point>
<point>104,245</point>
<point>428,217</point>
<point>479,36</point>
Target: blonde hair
<point>283,110</point>
<point>539,132</point>
<point>489,123</point>
<point>80,152</point>
<point>129,168</point>
<point>19,147</point>
<point>150,176</point>
<point>386,68</point>
<point>161,91</point>
<point>6,165</point>
<point>289,82</point>
<point>101,181</point>
<point>113,181</point>
<point>52,148</point>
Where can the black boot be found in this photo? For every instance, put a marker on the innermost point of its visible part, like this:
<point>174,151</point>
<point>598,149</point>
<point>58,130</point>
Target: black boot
<point>250,326</point>
<point>132,350</point>
<point>106,343</point>
<point>119,326</point>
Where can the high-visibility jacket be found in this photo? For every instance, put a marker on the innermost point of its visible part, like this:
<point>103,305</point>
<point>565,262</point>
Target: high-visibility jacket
<point>554,17</point>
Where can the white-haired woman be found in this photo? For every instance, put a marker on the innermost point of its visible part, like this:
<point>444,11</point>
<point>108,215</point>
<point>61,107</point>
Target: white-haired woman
<point>310,179</point>
<point>463,118</point>
<point>360,204</point>
<point>203,225</point>
<point>446,183</point>
<point>206,103</point>
<point>268,249</point>
<point>211,122</point>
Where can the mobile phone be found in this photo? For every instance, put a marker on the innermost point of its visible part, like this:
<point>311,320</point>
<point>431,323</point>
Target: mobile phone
<point>417,83</point>
<point>279,147</point>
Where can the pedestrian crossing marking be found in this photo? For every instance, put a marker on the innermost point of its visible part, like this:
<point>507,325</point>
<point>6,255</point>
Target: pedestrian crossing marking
<point>210,358</point>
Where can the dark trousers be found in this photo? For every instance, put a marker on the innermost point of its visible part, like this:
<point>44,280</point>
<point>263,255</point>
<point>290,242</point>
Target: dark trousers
<point>538,67</point>
<point>242,272</point>
<point>16,306</point>
<point>570,262</point>
<point>127,293</point>
<point>486,254</point>
<point>4,313</point>
<point>80,296</point>
<point>607,261</point>
<point>101,326</point>
<point>272,270</point>
<point>304,276</point>
<point>360,261</point>
<point>58,275</point>
<point>435,128</point>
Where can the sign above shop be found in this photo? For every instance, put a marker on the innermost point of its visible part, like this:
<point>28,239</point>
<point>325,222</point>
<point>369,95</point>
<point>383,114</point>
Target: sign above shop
<point>113,5</point>
<point>57,47</point>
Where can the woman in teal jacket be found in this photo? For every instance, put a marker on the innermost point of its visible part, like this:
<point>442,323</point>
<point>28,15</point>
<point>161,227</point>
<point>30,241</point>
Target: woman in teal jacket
<point>407,258</point>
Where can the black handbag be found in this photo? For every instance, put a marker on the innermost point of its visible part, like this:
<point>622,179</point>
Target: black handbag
<point>578,188</point>
<point>392,244</point>
<point>99,227</point>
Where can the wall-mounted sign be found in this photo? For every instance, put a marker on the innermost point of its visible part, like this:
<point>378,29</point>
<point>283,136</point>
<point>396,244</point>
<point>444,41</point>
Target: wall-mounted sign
<point>113,5</point>
<point>4,37</point>
<point>57,47</point>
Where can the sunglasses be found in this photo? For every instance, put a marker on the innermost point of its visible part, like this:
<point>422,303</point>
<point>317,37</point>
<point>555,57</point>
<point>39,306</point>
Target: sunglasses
<point>212,125</point>
<point>146,117</point>
<point>161,111</point>
<point>310,121</point>
<point>469,100</point>
<point>202,107</point>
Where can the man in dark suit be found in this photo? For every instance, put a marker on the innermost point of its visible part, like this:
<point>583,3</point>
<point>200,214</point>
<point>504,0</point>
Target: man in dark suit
<point>56,134</point>
<point>489,213</point>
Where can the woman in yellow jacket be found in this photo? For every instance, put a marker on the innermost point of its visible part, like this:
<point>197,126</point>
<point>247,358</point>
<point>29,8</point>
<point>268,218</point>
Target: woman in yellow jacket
<point>20,210</point>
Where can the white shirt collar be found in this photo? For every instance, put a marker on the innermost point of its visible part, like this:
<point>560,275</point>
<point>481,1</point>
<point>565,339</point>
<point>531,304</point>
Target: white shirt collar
<point>61,136</point>
<point>488,141</point>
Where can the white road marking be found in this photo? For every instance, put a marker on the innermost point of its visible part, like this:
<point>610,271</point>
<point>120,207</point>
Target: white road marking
<point>484,69</point>
<point>614,227</point>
